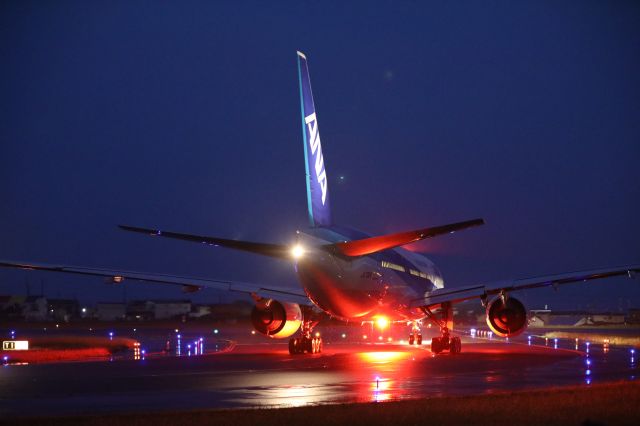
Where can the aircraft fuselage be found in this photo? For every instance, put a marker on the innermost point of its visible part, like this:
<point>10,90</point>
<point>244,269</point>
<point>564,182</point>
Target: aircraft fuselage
<point>366,287</point>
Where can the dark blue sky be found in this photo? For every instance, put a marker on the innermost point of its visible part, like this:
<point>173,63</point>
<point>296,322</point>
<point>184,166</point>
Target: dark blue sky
<point>185,116</point>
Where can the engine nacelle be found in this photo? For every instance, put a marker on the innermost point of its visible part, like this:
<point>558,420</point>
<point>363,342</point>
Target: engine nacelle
<point>276,319</point>
<point>506,318</point>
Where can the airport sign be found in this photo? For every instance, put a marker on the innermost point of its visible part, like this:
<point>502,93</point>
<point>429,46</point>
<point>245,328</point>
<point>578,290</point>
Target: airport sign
<point>15,345</point>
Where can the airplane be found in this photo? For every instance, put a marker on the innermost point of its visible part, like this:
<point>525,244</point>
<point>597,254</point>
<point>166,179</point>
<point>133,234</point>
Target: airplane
<point>347,274</point>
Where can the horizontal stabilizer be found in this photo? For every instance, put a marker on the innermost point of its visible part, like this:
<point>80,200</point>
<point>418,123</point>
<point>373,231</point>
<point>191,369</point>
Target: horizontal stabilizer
<point>273,250</point>
<point>375,244</point>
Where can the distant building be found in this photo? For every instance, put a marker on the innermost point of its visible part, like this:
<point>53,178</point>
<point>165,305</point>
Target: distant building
<point>35,308</point>
<point>539,318</point>
<point>63,309</point>
<point>633,317</point>
<point>200,311</point>
<point>230,312</point>
<point>602,319</point>
<point>110,311</point>
<point>546,318</point>
<point>141,310</point>
<point>11,307</point>
<point>171,308</point>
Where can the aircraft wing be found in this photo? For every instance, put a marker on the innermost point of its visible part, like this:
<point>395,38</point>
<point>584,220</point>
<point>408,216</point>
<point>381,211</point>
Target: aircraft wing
<point>188,284</point>
<point>481,291</point>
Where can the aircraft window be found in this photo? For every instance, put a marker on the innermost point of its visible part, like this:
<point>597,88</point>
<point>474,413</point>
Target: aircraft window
<point>418,273</point>
<point>371,275</point>
<point>393,266</point>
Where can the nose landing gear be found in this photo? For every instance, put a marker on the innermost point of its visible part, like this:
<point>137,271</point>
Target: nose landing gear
<point>415,338</point>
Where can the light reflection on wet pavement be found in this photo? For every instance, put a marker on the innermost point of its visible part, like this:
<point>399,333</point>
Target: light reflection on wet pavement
<point>259,373</point>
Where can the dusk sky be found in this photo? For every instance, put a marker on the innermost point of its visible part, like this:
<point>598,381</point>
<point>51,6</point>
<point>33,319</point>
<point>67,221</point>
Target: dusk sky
<point>184,115</point>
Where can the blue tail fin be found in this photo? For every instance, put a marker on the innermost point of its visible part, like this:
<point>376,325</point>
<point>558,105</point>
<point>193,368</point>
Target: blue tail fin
<point>317,190</point>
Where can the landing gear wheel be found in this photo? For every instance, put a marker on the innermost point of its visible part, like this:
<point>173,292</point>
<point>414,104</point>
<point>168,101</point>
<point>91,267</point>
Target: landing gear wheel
<point>294,346</point>
<point>415,337</point>
<point>436,345</point>
<point>306,343</point>
<point>455,345</point>
<point>301,345</point>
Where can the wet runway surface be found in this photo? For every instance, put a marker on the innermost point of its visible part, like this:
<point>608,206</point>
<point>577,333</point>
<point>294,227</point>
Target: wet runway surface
<point>259,373</point>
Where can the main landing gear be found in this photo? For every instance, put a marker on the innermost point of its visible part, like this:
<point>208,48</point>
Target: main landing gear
<point>306,343</point>
<point>445,341</point>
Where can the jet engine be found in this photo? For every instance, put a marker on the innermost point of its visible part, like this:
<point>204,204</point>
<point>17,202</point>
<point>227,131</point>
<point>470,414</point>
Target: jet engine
<point>276,319</point>
<point>506,317</point>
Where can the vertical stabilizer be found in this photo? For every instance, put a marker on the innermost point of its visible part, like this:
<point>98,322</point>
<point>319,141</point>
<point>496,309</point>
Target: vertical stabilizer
<point>317,190</point>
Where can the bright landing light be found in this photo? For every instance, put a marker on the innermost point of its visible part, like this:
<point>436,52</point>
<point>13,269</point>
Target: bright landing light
<point>297,251</point>
<point>382,322</point>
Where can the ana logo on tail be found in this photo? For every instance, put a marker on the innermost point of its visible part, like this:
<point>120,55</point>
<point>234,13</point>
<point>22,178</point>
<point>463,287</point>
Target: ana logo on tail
<point>316,150</point>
